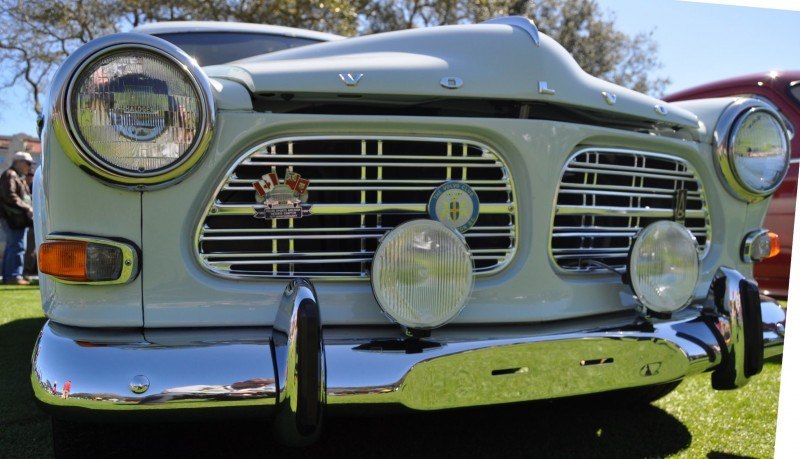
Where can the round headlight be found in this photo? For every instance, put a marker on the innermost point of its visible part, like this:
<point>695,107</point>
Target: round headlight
<point>135,111</point>
<point>664,266</point>
<point>760,153</point>
<point>753,148</point>
<point>422,274</point>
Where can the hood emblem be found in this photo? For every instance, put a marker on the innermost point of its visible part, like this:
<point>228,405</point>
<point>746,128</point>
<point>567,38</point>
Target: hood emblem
<point>661,110</point>
<point>610,97</point>
<point>351,79</point>
<point>451,82</point>
<point>281,201</point>
<point>544,89</point>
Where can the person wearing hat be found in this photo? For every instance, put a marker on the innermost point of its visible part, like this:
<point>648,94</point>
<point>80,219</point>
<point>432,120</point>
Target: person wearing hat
<point>16,213</point>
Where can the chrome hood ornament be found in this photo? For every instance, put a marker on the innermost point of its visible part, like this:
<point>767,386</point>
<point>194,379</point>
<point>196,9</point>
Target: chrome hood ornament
<point>351,79</point>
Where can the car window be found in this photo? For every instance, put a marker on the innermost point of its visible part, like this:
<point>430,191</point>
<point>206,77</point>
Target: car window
<point>213,48</point>
<point>794,90</point>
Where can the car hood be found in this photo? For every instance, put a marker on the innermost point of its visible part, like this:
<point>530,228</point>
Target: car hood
<point>494,61</point>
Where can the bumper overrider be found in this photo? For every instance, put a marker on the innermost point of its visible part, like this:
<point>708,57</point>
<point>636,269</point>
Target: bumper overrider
<point>296,370</point>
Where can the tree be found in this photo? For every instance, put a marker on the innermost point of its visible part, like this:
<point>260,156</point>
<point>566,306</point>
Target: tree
<point>36,35</point>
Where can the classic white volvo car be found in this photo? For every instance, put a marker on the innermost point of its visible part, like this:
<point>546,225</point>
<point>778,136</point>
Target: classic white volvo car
<point>432,218</point>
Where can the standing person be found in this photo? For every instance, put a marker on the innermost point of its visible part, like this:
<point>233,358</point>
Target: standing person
<point>30,265</point>
<point>17,213</point>
<point>67,388</point>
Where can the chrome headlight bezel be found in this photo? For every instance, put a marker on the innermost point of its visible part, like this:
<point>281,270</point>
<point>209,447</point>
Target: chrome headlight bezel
<point>82,155</point>
<point>724,137</point>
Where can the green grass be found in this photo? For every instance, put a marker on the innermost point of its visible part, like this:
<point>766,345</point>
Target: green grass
<point>739,422</point>
<point>24,430</point>
<point>693,421</point>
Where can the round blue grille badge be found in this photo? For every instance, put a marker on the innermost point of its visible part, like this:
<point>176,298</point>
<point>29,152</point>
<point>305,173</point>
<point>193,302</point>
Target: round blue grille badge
<point>456,205</point>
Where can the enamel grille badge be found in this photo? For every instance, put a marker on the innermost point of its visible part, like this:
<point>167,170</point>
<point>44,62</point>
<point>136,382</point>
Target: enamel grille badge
<point>281,200</point>
<point>456,205</point>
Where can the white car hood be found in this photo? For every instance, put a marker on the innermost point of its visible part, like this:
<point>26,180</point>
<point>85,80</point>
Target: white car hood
<point>493,61</point>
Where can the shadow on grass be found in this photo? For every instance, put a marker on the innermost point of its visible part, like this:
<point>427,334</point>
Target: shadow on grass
<point>24,430</point>
<point>541,430</point>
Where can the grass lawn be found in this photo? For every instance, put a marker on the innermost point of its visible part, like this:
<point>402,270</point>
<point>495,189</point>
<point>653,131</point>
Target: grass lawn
<point>693,421</point>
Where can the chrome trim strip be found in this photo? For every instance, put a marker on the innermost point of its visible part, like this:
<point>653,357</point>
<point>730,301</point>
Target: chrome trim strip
<point>635,191</point>
<point>625,211</point>
<point>520,22</point>
<point>130,257</point>
<point>724,132</point>
<point>492,159</point>
<point>80,154</point>
<point>345,209</point>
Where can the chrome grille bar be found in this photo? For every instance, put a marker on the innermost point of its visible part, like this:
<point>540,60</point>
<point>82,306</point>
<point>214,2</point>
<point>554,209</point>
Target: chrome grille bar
<point>607,195</point>
<point>361,187</point>
<point>357,209</point>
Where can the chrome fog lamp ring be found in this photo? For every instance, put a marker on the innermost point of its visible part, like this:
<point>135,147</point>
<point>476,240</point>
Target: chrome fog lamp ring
<point>422,274</point>
<point>728,133</point>
<point>664,266</point>
<point>183,69</point>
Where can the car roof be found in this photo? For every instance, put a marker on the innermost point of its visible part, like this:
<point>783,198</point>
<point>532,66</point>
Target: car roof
<point>156,28</point>
<point>775,78</point>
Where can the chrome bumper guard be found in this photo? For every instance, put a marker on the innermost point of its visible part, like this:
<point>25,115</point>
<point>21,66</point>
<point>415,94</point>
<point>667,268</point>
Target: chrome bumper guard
<point>293,372</point>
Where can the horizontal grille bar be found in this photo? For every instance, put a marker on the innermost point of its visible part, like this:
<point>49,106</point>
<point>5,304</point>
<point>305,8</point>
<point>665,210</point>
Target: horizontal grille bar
<point>329,236</point>
<point>606,196</point>
<point>359,189</point>
<point>355,209</point>
<point>625,211</point>
<point>368,164</point>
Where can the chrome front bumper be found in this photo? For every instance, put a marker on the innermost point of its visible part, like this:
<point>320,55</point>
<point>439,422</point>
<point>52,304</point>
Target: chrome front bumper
<point>292,372</point>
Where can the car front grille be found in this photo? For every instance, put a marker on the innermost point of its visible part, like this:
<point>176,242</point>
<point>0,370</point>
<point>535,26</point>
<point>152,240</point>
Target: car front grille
<point>360,188</point>
<point>607,195</point>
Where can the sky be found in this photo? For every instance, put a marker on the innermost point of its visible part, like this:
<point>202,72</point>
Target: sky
<point>698,43</point>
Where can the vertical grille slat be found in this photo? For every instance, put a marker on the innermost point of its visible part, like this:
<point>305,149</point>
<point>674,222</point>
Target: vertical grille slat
<point>361,187</point>
<point>607,195</point>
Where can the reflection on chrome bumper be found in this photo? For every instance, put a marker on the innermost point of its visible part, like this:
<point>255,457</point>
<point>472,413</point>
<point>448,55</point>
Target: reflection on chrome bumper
<point>458,366</point>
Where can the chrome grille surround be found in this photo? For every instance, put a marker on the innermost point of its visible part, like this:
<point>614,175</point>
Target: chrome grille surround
<point>359,190</point>
<point>606,195</point>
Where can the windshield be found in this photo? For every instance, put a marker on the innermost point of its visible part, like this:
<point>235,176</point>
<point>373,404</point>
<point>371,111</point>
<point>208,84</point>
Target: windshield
<point>213,48</point>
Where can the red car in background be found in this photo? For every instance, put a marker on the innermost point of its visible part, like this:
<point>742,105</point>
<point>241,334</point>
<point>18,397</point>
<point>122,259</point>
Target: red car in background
<point>782,90</point>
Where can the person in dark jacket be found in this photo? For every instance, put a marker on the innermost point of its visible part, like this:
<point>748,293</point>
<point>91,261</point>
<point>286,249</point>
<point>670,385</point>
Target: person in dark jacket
<point>30,267</point>
<point>17,213</point>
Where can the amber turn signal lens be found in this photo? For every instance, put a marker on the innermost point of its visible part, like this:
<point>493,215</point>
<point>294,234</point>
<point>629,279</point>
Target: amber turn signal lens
<point>774,245</point>
<point>63,259</point>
